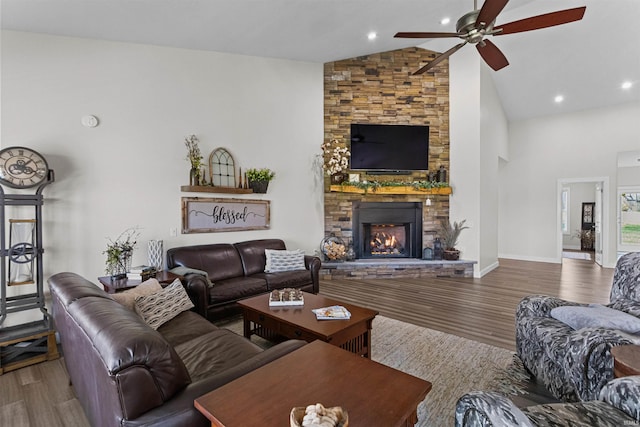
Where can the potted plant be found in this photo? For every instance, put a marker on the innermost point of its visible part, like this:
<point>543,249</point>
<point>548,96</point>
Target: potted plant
<point>336,160</point>
<point>449,233</point>
<point>119,253</point>
<point>259,179</point>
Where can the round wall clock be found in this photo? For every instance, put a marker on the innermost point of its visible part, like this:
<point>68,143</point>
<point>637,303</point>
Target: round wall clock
<point>22,167</point>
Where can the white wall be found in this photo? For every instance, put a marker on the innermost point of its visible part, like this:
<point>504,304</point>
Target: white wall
<point>128,171</point>
<point>542,151</point>
<point>478,139</point>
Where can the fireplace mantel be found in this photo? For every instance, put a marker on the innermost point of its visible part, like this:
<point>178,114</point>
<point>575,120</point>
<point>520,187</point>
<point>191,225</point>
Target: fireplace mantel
<point>407,189</point>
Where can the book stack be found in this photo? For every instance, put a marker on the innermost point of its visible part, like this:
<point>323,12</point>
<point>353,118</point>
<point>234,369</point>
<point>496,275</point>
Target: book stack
<point>141,272</point>
<point>335,312</point>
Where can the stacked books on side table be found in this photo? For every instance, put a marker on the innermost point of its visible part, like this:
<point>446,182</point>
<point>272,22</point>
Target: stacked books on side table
<point>335,312</point>
<point>141,272</point>
<point>287,296</point>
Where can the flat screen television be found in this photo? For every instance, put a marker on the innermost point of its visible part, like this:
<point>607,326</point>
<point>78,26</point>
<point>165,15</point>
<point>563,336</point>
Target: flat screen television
<point>389,148</point>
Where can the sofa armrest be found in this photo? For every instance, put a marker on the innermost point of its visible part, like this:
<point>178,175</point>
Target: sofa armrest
<point>622,393</point>
<point>197,289</point>
<point>489,409</point>
<point>539,306</point>
<point>179,411</point>
<point>313,264</point>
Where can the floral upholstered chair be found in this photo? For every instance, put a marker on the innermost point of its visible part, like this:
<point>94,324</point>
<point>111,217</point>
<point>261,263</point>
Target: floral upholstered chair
<point>618,405</point>
<point>574,363</point>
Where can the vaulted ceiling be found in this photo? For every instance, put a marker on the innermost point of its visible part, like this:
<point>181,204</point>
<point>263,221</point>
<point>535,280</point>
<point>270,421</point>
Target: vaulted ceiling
<point>585,61</point>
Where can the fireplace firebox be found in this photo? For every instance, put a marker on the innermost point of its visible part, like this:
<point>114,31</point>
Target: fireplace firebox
<point>387,230</point>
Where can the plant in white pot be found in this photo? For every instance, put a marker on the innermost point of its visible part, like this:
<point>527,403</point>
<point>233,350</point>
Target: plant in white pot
<point>449,233</point>
<point>258,179</point>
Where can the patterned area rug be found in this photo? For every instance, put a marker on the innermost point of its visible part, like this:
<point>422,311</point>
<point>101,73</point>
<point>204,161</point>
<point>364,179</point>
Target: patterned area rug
<point>454,365</point>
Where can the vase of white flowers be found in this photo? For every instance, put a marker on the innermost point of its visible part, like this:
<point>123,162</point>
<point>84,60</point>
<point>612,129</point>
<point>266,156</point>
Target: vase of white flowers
<point>336,160</point>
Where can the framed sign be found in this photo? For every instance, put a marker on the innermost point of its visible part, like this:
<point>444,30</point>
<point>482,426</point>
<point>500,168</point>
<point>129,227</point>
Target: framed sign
<point>213,215</point>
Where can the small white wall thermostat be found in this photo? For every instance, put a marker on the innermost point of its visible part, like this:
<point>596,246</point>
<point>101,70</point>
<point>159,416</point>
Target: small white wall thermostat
<point>90,121</point>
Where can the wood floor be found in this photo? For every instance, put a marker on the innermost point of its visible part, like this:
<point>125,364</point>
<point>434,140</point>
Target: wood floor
<point>479,309</point>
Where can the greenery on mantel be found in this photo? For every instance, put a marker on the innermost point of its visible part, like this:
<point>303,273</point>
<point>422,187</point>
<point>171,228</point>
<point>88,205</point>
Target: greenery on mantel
<point>417,185</point>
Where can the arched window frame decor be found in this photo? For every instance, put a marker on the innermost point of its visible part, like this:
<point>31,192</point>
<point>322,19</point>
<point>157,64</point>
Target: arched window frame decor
<point>222,169</point>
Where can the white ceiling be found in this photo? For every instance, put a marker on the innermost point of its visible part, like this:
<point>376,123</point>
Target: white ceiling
<point>585,61</point>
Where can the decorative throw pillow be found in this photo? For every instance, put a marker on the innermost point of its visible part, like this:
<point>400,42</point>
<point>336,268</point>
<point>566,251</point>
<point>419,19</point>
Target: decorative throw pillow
<point>596,316</point>
<point>279,260</point>
<point>162,306</point>
<point>128,297</point>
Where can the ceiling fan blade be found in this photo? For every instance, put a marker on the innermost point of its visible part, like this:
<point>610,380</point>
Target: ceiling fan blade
<point>410,35</point>
<point>542,21</point>
<point>492,55</point>
<point>438,59</point>
<point>489,11</point>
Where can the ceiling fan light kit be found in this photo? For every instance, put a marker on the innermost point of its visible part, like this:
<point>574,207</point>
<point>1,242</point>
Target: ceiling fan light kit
<point>474,26</point>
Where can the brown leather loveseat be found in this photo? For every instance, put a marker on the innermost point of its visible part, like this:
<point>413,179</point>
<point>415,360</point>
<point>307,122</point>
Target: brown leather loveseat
<point>124,373</point>
<point>236,271</point>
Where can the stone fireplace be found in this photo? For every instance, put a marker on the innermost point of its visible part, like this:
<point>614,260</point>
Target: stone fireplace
<point>387,230</point>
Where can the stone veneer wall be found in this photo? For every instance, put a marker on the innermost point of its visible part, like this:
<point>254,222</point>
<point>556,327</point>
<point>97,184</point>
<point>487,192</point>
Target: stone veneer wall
<point>380,89</point>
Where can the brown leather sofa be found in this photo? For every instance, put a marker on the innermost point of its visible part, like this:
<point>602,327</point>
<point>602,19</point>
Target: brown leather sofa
<point>124,373</point>
<point>236,271</point>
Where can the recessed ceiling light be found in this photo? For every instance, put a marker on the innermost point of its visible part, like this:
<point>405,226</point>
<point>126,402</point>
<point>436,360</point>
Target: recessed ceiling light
<point>627,85</point>
<point>372,35</point>
<point>445,21</point>
<point>558,99</point>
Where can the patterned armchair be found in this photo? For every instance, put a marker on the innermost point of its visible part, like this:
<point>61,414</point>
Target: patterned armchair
<point>574,365</point>
<point>618,405</point>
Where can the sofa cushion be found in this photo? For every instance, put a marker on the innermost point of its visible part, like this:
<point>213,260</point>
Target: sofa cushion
<point>128,297</point>
<point>286,279</point>
<point>253,256</point>
<point>162,306</point>
<point>237,288</point>
<point>283,260</point>
<point>215,352</point>
<point>219,260</point>
<point>596,316</point>
<point>185,327</point>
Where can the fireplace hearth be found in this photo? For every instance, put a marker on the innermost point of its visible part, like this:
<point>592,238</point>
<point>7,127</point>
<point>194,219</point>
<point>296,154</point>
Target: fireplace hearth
<point>387,230</point>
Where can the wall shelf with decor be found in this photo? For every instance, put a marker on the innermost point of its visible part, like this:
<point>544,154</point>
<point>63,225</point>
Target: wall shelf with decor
<point>212,189</point>
<point>407,189</point>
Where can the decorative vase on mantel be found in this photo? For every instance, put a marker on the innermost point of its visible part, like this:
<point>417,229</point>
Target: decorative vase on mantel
<point>338,178</point>
<point>451,254</point>
<point>194,177</point>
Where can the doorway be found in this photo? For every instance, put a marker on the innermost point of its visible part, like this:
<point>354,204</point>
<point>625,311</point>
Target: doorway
<point>582,223</point>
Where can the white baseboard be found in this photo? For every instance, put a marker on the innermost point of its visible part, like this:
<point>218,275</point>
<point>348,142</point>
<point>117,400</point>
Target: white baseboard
<point>530,258</point>
<point>487,269</point>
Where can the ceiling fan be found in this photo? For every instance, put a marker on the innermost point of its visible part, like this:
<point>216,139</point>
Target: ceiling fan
<point>475,25</point>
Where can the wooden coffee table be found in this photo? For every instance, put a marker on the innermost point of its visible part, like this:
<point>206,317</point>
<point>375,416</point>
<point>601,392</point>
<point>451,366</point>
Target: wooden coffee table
<point>299,322</point>
<point>373,394</point>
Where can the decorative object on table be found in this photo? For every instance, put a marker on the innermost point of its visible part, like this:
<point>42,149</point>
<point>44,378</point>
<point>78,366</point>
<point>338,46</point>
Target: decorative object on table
<point>336,160</point>
<point>450,233</point>
<point>437,249</point>
<point>335,312</point>
<point>119,253</point>
<point>141,272</point>
<point>195,159</point>
<point>318,416</point>
<point>427,254</point>
<point>204,215</point>
<point>333,248</point>
<point>222,169</point>
<point>286,297</point>
<point>259,179</point>
<point>155,252</point>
